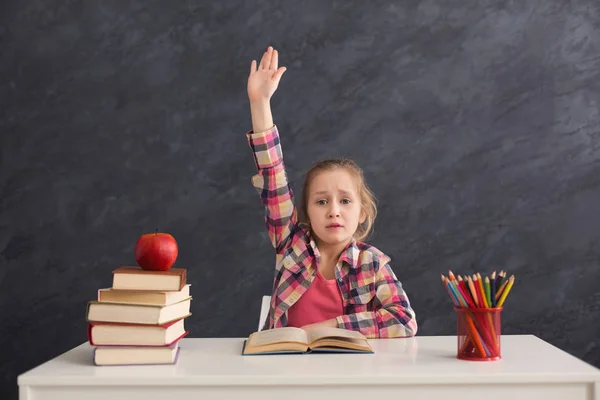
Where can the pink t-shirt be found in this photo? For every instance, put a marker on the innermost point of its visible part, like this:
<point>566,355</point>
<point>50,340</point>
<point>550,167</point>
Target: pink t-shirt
<point>321,301</point>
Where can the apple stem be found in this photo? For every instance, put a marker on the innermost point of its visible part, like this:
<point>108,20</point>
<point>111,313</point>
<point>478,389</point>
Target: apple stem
<point>156,233</point>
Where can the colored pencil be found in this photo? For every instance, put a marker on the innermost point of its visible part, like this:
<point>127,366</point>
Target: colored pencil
<point>499,291</point>
<point>473,292</point>
<point>493,288</point>
<point>498,279</point>
<point>487,291</point>
<point>511,281</point>
<point>452,295</point>
<point>481,290</point>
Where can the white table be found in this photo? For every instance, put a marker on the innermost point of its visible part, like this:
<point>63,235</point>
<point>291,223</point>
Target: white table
<point>415,368</point>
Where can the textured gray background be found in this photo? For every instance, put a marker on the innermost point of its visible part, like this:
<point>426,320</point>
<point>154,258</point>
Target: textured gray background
<point>476,123</point>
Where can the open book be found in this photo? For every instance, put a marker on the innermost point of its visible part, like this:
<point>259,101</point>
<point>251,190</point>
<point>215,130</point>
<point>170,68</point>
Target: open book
<point>297,340</point>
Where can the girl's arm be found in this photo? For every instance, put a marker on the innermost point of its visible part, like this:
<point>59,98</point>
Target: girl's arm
<point>262,119</point>
<point>271,181</point>
<point>393,315</point>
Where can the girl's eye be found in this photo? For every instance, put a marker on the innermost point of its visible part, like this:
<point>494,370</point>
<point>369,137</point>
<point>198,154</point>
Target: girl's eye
<point>345,201</point>
<point>322,202</point>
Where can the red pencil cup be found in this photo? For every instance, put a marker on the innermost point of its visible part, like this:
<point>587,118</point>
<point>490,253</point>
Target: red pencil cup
<point>478,332</point>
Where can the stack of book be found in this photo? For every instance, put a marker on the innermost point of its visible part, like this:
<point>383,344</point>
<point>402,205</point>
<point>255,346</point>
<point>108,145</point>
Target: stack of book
<point>140,319</point>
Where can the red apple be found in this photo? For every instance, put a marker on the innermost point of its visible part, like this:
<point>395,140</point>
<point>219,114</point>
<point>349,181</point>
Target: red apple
<point>156,251</point>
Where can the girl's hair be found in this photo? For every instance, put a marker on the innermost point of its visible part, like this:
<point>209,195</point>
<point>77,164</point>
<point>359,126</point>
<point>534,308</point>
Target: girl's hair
<point>367,198</point>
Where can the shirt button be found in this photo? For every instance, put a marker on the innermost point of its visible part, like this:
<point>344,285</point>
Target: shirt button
<point>340,280</point>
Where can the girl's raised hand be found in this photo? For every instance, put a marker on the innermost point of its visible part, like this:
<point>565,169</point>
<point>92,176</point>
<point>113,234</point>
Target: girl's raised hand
<point>264,79</point>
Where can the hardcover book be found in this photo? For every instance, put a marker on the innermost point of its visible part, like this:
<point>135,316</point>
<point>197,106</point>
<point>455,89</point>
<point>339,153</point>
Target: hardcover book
<point>290,340</point>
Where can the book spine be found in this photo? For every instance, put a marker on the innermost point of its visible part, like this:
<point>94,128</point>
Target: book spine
<point>89,334</point>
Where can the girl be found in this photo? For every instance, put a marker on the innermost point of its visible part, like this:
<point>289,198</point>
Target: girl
<point>324,274</point>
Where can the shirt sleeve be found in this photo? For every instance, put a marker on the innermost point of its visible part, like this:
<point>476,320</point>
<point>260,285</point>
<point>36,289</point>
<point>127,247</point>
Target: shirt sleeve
<point>392,316</point>
<point>272,185</point>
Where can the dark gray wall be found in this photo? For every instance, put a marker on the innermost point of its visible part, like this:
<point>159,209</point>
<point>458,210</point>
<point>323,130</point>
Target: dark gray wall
<point>476,123</point>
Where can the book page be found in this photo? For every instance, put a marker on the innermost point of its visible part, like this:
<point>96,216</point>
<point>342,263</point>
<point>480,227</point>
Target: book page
<point>277,335</point>
<point>321,332</point>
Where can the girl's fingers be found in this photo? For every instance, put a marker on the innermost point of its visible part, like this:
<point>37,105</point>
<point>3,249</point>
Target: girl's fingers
<point>262,61</point>
<point>279,74</point>
<point>268,57</point>
<point>274,60</point>
<point>252,67</point>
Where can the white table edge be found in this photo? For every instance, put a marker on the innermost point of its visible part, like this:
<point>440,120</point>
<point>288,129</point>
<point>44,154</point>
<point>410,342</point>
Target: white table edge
<point>28,379</point>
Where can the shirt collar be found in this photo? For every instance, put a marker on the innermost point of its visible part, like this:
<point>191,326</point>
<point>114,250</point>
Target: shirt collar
<point>349,254</point>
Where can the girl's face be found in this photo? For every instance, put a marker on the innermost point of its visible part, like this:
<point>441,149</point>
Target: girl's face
<point>334,208</point>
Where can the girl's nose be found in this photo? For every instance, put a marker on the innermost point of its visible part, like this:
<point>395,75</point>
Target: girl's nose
<point>334,211</point>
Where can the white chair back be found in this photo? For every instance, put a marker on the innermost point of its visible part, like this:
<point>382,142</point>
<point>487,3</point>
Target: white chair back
<point>264,311</point>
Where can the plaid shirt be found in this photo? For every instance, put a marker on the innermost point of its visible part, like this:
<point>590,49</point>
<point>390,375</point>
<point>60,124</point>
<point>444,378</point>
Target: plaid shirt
<point>374,302</point>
